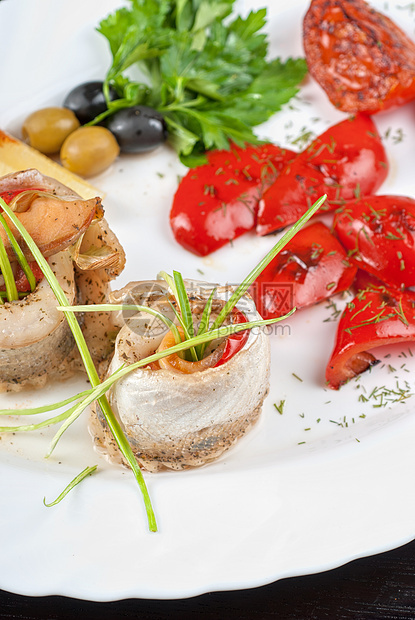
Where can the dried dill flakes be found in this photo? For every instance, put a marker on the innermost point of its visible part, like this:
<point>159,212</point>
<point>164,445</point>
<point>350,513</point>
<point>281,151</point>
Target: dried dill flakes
<point>209,190</point>
<point>397,135</point>
<point>303,139</point>
<point>335,311</point>
<point>280,406</point>
<point>297,377</point>
<point>384,396</point>
<point>407,7</point>
<point>344,422</point>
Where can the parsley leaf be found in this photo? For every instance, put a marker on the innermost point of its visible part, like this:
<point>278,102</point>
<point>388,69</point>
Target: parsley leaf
<point>209,76</point>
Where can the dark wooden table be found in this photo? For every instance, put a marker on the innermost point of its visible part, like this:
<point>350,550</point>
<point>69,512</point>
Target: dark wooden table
<point>380,587</point>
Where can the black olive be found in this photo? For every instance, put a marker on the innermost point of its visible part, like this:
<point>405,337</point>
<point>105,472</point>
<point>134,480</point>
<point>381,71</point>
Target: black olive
<point>87,101</point>
<point>137,129</point>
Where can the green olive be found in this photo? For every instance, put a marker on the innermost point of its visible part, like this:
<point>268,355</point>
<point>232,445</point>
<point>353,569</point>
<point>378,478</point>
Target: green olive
<point>89,151</point>
<point>47,129</point>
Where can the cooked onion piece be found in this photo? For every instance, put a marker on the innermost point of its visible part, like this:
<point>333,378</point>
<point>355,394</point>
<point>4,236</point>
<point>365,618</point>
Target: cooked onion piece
<point>176,419</point>
<point>53,223</point>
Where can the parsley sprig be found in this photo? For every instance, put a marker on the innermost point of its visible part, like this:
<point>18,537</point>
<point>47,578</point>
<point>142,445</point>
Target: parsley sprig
<point>209,76</point>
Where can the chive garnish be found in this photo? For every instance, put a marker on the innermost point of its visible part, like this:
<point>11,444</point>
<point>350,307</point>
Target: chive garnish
<point>88,471</point>
<point>280,406</point>
<point>97,391</point>
<point>242,288</point>
<point>185,310</point>
<point>19,254</point>
<point>92,373</point>
<point>7,271</point>
<point>296,377</point>
<point>204,324</point>
<point>11,293</point>
<point>44,408</point>
<point>192,342</point>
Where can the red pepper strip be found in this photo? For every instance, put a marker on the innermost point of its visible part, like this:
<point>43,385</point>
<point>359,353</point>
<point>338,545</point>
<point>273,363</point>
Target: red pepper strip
<point>22,283</point>
<point>361,58</point>
<point>347,161</point>
<point>235,342</point>
<point>379,233</point>
<point>364,280</point>
<point>218,202</point>
<point>313,266</point>
<point>375,317</point>
<point>256,163</point>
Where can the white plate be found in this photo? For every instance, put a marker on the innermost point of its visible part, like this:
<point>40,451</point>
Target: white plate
<point>307,490</point>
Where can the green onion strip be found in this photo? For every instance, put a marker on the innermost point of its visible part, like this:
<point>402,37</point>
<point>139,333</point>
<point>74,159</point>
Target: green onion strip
<point>110,418</point>
<point>93,394</point>
<point>34,427</point>
<point>7,271</point>
<point>185,310</point>
<point>88,471</point>
<point>242,288</point>
<point>98,390</point>
<point>204,323</point>
<point>44,408</point>
<point>20,256</point>
<point>221,332</point>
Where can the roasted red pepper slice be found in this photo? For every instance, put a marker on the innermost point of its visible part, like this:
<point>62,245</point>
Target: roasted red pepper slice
<point>217,202</point>
<point>375,317</point>
<point>364,280</point>
<point>362,60</point>
<point>313,266</point>
<point>22,283</point>
<point>345,162</point>
<point>379,233</point>
<point>235,342</point>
